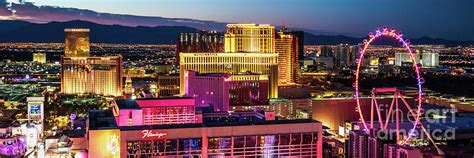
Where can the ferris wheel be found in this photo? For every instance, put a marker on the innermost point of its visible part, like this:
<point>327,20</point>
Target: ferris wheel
<point>376,117</point>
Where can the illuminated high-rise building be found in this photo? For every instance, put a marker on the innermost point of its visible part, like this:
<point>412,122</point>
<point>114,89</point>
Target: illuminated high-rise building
<point>247,48</point>
<point>39,57</point>
<point>202,41</point>
<point>92,75</point>
<point>403,57</point>
<point>76,42</point>
<point>249,38</point>
<point>232,63</point>
<point>287,47</point>
<point>342,56</point>
<point>81,74</point>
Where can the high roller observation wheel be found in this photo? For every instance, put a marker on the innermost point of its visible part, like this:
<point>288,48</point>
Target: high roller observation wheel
<point>392,33</point>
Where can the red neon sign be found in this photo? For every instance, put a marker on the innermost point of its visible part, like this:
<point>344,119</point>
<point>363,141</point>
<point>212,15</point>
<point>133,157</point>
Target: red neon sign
<point>151,134</point>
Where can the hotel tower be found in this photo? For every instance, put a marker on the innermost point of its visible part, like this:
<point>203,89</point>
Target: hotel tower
<point>82,74</point>
<point>248,48</point>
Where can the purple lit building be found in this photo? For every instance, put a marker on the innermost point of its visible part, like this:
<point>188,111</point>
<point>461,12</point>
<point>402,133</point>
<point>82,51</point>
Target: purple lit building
<point>221,91</point>
<point>211,90</point>
<point>12,145</point>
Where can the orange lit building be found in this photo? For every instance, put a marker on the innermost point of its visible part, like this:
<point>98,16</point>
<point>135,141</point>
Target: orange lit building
<point>286,46</point>
<point>39,57</point>
<point>92,75</point>
<point>81,74</point>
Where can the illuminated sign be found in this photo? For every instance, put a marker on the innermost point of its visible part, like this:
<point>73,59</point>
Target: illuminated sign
<point>151,134</point>
<point>35,109</point>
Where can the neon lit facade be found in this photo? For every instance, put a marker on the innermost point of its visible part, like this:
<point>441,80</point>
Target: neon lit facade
<point>92,75</point>
<point>288,138</point>
<point>225,144</point>
<point>210,90</point>
<point>233,63</point>
<point>105,143</point>
<point>222,90</point>
<point>249,38</point>
<point>158,111</point>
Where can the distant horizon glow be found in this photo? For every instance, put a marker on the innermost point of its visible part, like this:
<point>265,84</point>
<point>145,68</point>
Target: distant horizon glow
<point>431,18</point>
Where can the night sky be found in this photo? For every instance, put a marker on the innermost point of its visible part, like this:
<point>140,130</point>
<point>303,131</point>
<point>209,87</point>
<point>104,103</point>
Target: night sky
<point>449,19</point>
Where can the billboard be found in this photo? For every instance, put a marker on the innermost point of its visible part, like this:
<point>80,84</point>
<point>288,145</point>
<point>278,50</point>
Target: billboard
<point>35,108</point>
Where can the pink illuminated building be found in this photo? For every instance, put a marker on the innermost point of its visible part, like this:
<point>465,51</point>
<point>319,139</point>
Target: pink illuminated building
<point>221,90</point>
<point>154,111</point>
<point>217,136</point>
<point>210,90</point>
<point>13,146</point>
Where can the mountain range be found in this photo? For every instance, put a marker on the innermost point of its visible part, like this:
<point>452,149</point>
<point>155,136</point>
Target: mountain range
<point>26,22</point>
<point>22,31</point>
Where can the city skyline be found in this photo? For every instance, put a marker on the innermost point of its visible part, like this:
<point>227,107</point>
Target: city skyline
<point>78,83</point>
<point>433,19</point>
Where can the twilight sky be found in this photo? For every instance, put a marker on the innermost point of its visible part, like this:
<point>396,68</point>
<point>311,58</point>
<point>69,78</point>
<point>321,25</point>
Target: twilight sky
<point>450,19</point>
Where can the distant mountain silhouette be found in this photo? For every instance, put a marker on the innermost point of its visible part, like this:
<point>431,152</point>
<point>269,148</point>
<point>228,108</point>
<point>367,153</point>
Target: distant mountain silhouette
<point>44,14</point>
<point>22,31</point>
<point>31,13</point>
<point>311,39</point>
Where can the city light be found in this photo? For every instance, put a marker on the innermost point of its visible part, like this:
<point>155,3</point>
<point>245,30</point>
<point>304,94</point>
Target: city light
<point>206,79</point>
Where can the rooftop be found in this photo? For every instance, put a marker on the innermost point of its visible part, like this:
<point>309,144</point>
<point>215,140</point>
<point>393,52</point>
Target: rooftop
<point>154,102</point>
<point>226,124</point>
<point>104,119</point>
<point>127,104</point>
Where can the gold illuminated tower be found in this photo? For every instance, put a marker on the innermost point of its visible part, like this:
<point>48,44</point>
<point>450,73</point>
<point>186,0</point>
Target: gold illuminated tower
<point>233,63</point>
<point>76,42</point>
<point>249,38</point>
<point>82,74</point>
<point>39,57</point>
<point>286,46</point>
<point>247,48</point>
